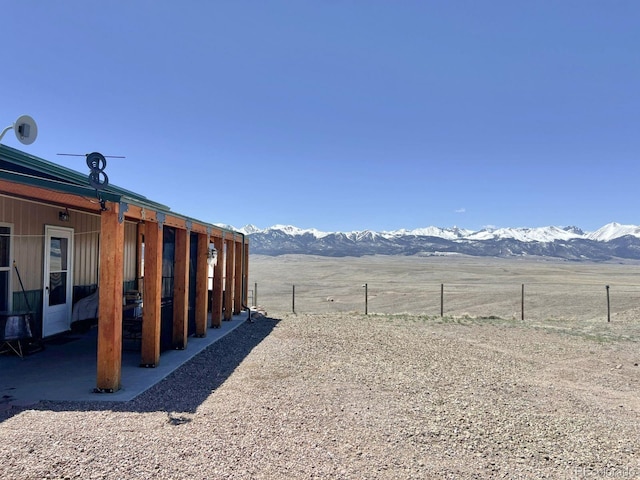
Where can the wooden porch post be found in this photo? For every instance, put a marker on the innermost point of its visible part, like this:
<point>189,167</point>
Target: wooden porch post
<point>109,363</point>
<point>238,273</point>
<point>150,351</point>
<point>181,290</point>
<point>216,300</point>
<point>229,279</point>
<point>202,282</point>
<point>246,273</point>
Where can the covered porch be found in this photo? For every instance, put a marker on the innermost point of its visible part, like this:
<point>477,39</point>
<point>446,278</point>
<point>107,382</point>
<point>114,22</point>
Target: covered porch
<point>69,234</point>
<point>66,369</point>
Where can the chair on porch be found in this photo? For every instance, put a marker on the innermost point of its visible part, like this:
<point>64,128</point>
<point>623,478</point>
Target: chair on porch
<point>132,316</point>
<point>15,328</point>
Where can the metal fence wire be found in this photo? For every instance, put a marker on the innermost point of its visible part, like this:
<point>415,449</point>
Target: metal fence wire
<point>532,301</point>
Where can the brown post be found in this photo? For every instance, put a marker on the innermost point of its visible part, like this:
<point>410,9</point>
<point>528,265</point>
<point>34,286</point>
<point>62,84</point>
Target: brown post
<point>218,273</point>
<point>238,274</point>
<point>228,278</point>
<point>202,269</point>
<point>109,364</point>
<point>150,355</point>
<point>181,290</point>
<point>246,273</point>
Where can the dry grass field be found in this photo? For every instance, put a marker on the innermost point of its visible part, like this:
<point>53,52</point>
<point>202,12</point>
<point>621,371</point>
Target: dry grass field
<point>459,285</point>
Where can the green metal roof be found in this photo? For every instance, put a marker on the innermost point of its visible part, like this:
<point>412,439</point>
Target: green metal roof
<point>23,168</point>
<point>32,170</point>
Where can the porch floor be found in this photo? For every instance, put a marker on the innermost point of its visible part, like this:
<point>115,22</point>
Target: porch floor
<point>66,369</point>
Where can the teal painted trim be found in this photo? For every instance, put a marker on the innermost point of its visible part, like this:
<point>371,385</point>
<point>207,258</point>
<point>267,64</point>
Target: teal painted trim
<point>34,298</point>
<point>81,291</point>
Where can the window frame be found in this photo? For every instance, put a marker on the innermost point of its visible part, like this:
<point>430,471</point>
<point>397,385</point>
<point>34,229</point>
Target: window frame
<point>7,268</point>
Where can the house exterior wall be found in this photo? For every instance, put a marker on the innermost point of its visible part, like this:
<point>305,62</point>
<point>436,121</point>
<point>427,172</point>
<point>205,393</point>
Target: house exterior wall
<point>27,239</point>
<point>28,220</point>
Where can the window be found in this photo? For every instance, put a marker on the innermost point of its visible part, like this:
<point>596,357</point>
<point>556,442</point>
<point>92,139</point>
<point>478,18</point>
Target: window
<point>58,270</point>
<point>5,267</point>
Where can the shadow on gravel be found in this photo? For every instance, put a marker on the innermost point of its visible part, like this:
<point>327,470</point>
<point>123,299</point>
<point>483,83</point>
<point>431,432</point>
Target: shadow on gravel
<point>187,387</point>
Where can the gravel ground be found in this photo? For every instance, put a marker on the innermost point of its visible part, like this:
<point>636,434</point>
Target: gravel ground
<point>352,396</point>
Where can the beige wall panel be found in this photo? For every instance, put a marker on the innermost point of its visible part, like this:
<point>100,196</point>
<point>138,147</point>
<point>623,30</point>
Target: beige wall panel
<point>28,241</point>
<point>29,219</point>
<point>86,240</point>
<point>130,250</point>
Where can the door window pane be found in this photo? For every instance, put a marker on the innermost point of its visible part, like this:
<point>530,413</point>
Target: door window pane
<point>58,257</point>
<point>57,288</point>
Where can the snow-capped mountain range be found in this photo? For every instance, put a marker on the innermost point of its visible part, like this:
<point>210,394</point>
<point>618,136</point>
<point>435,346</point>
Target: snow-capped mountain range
<point>613,240</point>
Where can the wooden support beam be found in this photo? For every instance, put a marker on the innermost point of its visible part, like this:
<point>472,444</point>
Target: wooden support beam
<point>49,196</point>
<point>87,204</point>
<point>150,351</point>
<point>228,278</point>
<point>181,290</point>
<point>246,273</point>
<point>202,282</point>
<point>217,232</point>
<point>238,274</point>
<point>109,364</point>
<point>218,273</point>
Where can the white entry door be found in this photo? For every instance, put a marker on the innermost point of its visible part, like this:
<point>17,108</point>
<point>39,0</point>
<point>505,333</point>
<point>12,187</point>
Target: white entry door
<point>58,280</point>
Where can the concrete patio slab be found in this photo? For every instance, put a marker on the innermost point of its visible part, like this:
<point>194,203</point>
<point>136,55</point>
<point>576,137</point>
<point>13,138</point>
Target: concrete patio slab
<point>66,369</point>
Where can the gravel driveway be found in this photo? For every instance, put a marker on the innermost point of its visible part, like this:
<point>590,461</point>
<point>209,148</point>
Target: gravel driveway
<point>352,396</point>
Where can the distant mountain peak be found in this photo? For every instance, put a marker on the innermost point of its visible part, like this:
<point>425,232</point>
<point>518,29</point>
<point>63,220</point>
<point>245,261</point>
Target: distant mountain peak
<point>249,229</point>
<point>614,230</point>
<point>612,240</point>
<point>575,230</point>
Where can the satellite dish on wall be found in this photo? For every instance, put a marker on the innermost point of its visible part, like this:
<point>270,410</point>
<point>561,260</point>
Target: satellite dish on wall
<point>26,130</point>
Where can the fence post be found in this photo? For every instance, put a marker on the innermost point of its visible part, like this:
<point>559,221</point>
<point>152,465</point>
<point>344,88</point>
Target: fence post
<point>366,298</point>
<point>255,294</point>
<point>522,303</point>
<point>442,300</point>
<point>293,300</point>
<point>608,305</point>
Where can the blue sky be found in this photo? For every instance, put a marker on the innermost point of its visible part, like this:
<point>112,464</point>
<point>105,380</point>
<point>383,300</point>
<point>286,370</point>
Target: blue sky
<point>341,115</point>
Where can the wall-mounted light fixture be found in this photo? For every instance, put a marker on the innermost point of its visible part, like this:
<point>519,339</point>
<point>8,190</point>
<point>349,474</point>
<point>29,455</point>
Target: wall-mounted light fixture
<point>64,216</point>
<point>212,255</point>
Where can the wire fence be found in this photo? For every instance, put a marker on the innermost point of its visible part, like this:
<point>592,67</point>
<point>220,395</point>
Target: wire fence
<point>520,301</point>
